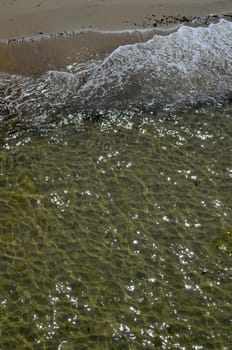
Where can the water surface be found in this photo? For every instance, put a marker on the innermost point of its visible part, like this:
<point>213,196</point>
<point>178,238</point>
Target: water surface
<point>109,232</point>
<point>115,199</point>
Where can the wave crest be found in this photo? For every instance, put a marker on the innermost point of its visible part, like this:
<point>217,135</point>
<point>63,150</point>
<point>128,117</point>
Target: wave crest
<point>188,66</point>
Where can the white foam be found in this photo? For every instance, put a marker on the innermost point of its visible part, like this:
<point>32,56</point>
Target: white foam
<point>189,65</point>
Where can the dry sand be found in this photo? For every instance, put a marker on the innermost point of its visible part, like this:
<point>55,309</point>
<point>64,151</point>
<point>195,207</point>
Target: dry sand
<point>26,18</point>
<point>21,21</point>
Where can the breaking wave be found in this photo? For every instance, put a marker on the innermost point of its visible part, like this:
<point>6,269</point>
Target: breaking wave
<point>184,68</point>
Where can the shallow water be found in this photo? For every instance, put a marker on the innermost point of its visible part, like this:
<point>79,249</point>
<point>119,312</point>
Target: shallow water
<point>109,231</point>
<point>115,199</point>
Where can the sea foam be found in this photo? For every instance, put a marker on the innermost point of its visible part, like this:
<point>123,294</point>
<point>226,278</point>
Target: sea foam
<point>188,66</point>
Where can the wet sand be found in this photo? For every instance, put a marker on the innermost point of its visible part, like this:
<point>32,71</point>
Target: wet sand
<point>35,57</point>
<point>27,26</point>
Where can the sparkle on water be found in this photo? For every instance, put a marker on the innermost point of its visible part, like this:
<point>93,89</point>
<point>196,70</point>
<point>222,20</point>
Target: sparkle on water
<point>112,233</point>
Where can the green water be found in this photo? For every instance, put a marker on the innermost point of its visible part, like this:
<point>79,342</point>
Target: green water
<point>116,234</point>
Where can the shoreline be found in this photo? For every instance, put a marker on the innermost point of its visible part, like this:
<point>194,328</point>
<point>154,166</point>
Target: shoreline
<point>30,18</point>
<point>164,25</point>
<point>36,56</point>
<point>37,36</point>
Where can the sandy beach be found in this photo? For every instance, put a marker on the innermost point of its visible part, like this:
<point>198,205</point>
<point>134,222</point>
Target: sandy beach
<point>76,23</point>
<point>27,18</point>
